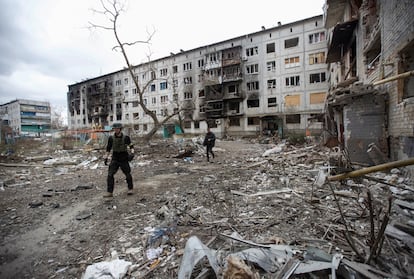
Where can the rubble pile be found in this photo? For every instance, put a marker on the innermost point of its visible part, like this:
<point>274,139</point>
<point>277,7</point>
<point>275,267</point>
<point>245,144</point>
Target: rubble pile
<point>258,211</point>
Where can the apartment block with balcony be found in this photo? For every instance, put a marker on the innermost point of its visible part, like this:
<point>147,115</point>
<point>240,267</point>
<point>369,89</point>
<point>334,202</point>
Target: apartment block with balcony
<point>26,117</point>
<point>275,79</point>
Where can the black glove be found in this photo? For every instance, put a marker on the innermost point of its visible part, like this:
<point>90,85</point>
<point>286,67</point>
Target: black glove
<point>106,161</point>
<point>130,157</point>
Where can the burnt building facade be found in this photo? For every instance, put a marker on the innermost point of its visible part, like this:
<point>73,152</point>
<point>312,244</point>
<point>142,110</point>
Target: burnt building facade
<point>273,80</point>
<point>371,94</point>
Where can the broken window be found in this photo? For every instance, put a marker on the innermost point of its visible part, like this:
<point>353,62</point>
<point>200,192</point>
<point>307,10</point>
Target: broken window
<point>252,86</point>
<point>252,51</point>
<point>188,80</point>
<point>271,83</point>
<point>406,85</point>
<point>270,48</point>
<point>293,119</point>
<point>271,66</point>
<point>175,69</point>
<point>316,78</point>
<point>271,102</point>
<point>292,81</point>
<point>252,69</point>
<point>234,121</point>
<point>253,121</point>
<point>316,37</point>
<point>233,88</point>
<point>291,42</point>
<point>254,103</point>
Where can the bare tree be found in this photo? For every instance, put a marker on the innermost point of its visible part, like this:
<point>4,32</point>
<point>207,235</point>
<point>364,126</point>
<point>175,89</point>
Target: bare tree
<point>56,119</point>
<point>112,10</point>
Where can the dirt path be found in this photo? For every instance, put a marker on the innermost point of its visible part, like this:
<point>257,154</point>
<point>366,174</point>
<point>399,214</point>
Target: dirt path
<point>74,225</point>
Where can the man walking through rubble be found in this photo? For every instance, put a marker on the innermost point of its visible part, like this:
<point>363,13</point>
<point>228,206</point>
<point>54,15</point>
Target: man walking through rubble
<point>119,144</point>
<point>209,142</point>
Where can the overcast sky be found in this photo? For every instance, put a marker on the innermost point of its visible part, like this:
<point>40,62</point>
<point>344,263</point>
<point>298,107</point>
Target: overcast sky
<point>45,45</point>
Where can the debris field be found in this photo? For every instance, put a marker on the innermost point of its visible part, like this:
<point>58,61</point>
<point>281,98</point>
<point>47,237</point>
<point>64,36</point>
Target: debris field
<point>260,209</point>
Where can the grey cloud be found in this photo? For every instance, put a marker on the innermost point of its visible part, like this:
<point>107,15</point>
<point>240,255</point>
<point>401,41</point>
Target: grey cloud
<point>15,45</point>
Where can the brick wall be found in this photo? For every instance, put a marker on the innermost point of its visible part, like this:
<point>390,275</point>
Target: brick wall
<point>397,32</point>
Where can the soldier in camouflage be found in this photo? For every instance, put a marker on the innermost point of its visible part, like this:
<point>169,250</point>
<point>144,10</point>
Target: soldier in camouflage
<point>119,144</point>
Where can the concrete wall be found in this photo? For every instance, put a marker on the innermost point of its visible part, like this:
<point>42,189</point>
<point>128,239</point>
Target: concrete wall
<point>364,123</point>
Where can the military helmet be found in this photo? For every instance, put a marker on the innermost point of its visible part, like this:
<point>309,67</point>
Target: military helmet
<point>116,125</point>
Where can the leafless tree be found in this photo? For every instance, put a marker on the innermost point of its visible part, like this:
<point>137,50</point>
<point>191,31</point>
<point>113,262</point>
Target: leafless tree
<point>112,9</point>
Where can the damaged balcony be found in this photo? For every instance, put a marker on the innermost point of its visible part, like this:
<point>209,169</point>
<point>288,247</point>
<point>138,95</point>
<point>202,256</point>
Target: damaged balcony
<point>232,109</point>
<point>232,74</point>
<point>214,93</point>
<point>342,49</point>
<point>212,77</point>
<point>231,56</point>
<point>234,96</point>
<point>214,109</point>
<point>340,42</point>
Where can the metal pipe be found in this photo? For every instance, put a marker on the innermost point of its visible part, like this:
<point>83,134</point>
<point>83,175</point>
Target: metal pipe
<point>386,166</point>
<point>399,76</point>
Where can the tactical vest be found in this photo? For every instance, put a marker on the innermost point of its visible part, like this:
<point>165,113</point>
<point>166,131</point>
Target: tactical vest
<point>118,144</point>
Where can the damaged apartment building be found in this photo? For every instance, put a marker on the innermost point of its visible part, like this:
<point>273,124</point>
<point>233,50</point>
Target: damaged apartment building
<point>274,81</point>
<point>370,105</point>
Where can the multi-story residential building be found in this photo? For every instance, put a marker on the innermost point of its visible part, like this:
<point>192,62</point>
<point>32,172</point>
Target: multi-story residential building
<point>371,60</point>
<point>274,79</point>
<point>26,116</point>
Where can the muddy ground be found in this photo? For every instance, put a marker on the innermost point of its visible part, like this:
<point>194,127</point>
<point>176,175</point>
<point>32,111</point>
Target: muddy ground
<point>55,223</point>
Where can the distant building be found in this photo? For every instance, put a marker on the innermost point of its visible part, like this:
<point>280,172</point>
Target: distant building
<point>273,80</point>
<point>26,116</point>
<point>371,60</point>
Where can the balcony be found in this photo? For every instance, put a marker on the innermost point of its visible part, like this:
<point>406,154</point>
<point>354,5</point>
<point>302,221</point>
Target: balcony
<point>234,95</point>
<point>234,112</point>
<point>211,80</point>
<point>341,36</point>
<point>233,77</point>
<point>212,65</point>
<point>230,62</point>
